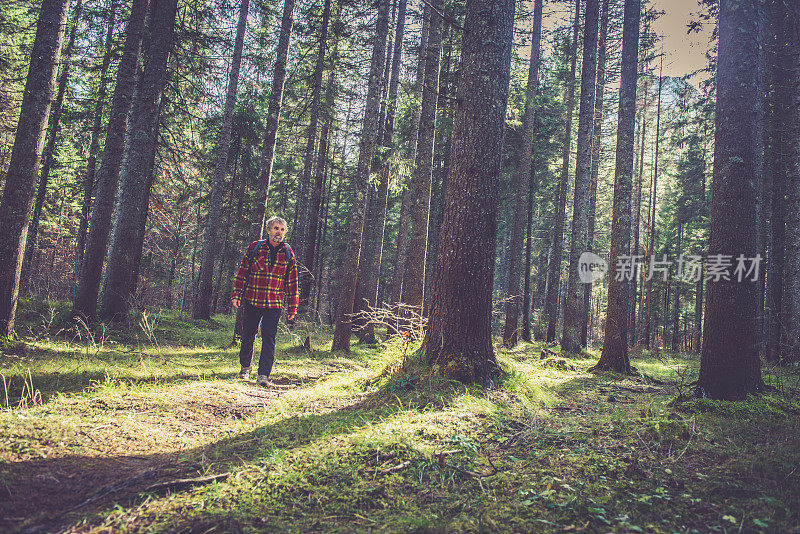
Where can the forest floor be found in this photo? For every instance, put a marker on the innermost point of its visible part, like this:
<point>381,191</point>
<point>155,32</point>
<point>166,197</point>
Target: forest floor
<point>150,430</point>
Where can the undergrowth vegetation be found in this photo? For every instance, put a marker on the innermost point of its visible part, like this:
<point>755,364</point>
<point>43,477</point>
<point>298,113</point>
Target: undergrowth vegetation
<point>149,430</point>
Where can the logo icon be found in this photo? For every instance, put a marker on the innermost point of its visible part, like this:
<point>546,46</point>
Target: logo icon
<point>591,267</point>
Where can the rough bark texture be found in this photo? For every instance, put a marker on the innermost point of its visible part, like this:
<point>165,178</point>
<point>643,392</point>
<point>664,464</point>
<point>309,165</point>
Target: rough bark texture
<point>369,137</point>
<point>108,174</point>
<point>94,148</point>
<point>136,177</point>
<point>614,356</point>
<point>202,303</point>
<point>16,204</point>
<point>414,284</point>
<point>458,339</point>
<point>48,157</point>
<point>522,207</point>
<point>729,363</point>
<point>557,240</point>
<point>792,273</point>
<point>574,295</point>
<point>273,116</point>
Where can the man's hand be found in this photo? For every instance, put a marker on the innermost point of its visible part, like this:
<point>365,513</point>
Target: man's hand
<point>236,302</point>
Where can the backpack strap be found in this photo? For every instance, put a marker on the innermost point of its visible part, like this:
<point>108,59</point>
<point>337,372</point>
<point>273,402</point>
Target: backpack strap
<point>288,252</point>
<point>253,253</point>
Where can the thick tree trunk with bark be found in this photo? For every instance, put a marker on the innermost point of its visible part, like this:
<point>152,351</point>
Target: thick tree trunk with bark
<point>94,148</point>
<point>48,156</point>
<point>614,356</point>
<point>729,364</point>
<point>20,182</point>
<point>202,303</point>
<point>775,152</point>
<point>574,294</point>
<point>458,339</point>
<point>792,273</point>
<point>136,178</point>
<point>557,240</point>
<point>414,284</point>
<point>273,116</point>
<point>524,189</point>
<point>369,138</point>
<point>108,174</point>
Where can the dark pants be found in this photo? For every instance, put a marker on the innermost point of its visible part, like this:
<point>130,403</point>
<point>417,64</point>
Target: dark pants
<point>269,328</point>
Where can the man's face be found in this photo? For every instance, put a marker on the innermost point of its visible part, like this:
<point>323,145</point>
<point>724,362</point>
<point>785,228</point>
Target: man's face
<point>275,233</point>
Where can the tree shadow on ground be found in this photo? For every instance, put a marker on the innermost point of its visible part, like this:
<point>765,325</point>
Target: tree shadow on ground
<point>51,493</point>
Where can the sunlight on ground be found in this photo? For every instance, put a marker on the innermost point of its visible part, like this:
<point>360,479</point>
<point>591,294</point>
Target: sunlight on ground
<point>360,442</point>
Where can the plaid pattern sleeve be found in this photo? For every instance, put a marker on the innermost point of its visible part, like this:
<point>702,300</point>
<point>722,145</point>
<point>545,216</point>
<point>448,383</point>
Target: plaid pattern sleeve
<point>292,287</point>
<point>240,280</point>
<point>263,283</point>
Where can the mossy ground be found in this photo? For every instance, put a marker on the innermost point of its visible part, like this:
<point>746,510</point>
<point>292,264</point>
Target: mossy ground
<point>352,443</point>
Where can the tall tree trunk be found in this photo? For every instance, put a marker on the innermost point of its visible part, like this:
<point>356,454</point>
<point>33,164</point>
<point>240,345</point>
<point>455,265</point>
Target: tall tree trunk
<point>225,256</point>
<point>524,189</point>
<point>20,182</point>
<point>373,266</point>
<point>401,252</point>
<point>94,148</point>
<point>574,294</point>
<point>273,115</point>
<point>309,256</point>
<point>136,178</point>
<point>614,356</point>
<point>729,364</point>
<point>458,338</point>
<point>637,216</point>
<point>779,146</point>
<point>85,303</point>
<point>414,283</point>
<point>369,132</point>
<point>792,274</point>
<point>374,217</point>
<point>596,154</point>
<point>309,239</point>
<point>557,240</point>
<point>648,327</point>
<point>202,303</point>
<point>49,149</point>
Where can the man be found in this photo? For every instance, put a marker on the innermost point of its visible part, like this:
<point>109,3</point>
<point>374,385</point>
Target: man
<point>267,271</point>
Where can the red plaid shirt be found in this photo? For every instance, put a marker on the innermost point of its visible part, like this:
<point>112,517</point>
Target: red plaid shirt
<point>262,283</point>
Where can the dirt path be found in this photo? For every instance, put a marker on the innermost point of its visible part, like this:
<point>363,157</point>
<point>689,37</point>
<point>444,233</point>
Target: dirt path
<point>87,451</point>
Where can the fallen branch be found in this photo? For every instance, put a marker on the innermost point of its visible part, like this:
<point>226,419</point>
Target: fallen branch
<point>185,482</point>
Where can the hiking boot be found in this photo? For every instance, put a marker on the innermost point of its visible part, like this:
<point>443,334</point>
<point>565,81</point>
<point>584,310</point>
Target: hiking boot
<point>263,381</point>
<point>244,374</point>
